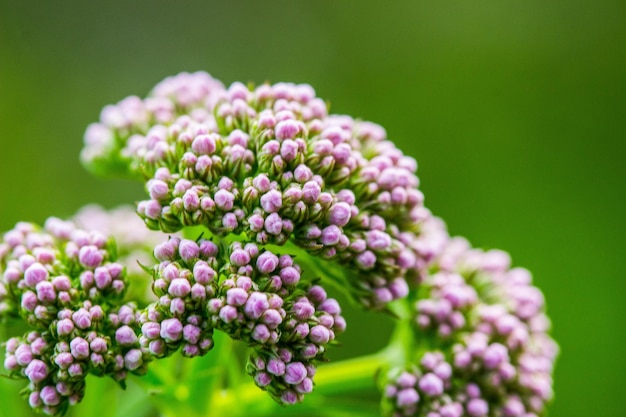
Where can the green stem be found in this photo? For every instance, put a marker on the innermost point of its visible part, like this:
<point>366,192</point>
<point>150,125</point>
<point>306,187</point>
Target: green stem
<point>336,379</point>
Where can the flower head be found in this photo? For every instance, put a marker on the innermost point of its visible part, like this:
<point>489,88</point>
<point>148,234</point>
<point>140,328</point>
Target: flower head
<point>271,163</point>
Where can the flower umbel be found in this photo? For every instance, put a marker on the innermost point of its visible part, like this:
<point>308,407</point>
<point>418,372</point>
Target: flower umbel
<point>258,201</point>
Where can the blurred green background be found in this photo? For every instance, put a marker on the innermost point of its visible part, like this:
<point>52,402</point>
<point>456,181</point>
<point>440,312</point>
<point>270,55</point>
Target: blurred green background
<point>515,111</point>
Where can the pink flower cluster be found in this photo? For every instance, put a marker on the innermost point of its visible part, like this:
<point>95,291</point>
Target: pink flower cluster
<point>251,294</point>
<point>495,356</point>
<point>256,168</point>
<point>271,163</point>
<point>64,282</point>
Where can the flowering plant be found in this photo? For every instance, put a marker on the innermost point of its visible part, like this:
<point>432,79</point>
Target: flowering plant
<point>258,202</point>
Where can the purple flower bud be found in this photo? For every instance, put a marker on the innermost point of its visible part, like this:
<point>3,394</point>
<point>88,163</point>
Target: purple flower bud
<point>177,306</point>
<point>228,313</point>
<point>90,256</point>
<point>49,395</point>
<point>443,371</point>
<point>256,222</point>
<point>310,192</point>
<point>36,371</point>
<point>273,224</point>
<point>12,275</point>
<point>289,397</point>
<point>171,330</point>
<point>326,320</point>
<point>38,346</point>
<point>289,150</point>
<point>98,345</point>
<point>262,379</point>
<point>339,214</point>
<point>224,200</point>
<point>330,306</point>
<point>272,318</point>
<point>239,257</point>
<point>255,305</point>
<point>34,400</point>
<point>179,287</point>
<point>302,173</point>
<point>151,330</point>
<point>182,185</point>
<point>236,296</point>
<point>96,359</point>
<point>260,333</point>
<point>25,261</point>
<point>477,407</point>
<point>230,222</point>
<point>295,373</point>
<point>198,292</point>
<point>275,367</point>
<point>126,314</point>
<point>451,410</point>
<point>158,189</point>
<point>102,277</point>
<point>366,260</point>
<point>203,273</point>
<point>191,201</point>
<point>319,334</point>
<point>330,235</point>
<point>133,359</point>
<point>157,347</point>
<point>79,348</point>
<point>29,301</point>
<point>382,295</point>
<point>287,129</point>
<point>399,288</point>
<point>267,262</point>
<point>494,355</point>
<point>317,294</point>
<point>126,336</point>
<point>205,144</point>
<point>290,275</point>
<point>342,153</point>
<point>81,319</point>
<point>188,250</point>
<point>208,249</point>
<point>406,380</point>
<point>303,310</point>
<point>431,385</point>
<point>64,360</point>
<point>513,407</point>
<point>305,387</point>
<point>191,333</point>
<point>378,240</point>
<point>407,397</point>
<point>23,355</point>
<point>35,274</point>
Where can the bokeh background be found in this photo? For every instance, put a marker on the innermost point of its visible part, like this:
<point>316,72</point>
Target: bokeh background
<point>515,111</point>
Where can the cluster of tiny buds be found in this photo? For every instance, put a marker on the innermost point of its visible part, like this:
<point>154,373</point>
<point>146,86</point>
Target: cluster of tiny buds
<point>272,163</point>
<point>29,357</point>
<point>40,265</point>
<point>62,280</point>
<point>445,309</point>
<point>249,293</point>
<point>433,389</point>
<point>185,278</point>
<point>134,244</point>
<point>80,342</point>
<point>421,391</point>
<point>498,354</point>
<point>267,165</point>
<point>286,369</point>
<point>286,379</point>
